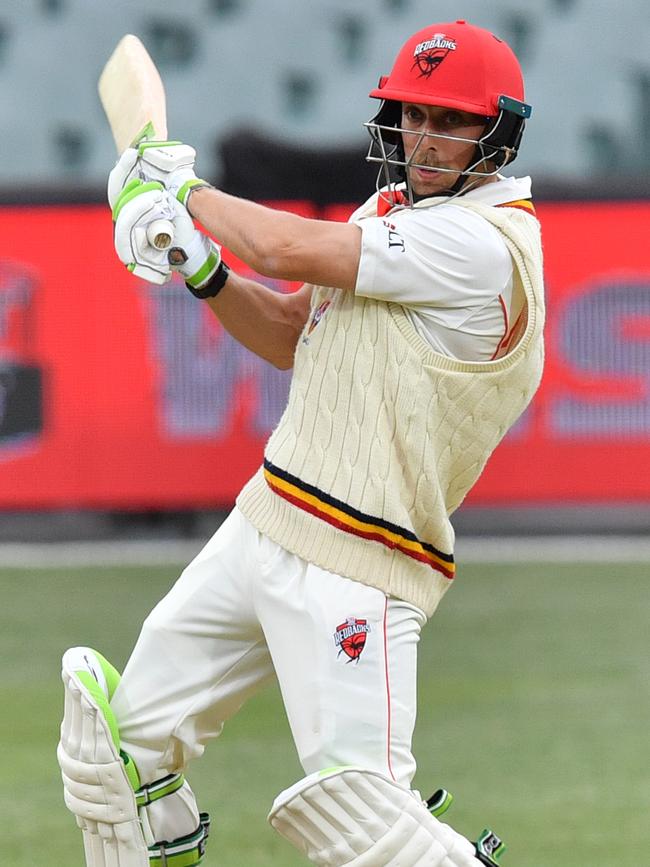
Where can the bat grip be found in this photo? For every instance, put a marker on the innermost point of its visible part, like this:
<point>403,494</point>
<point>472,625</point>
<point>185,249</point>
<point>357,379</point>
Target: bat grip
<point>160,234</point>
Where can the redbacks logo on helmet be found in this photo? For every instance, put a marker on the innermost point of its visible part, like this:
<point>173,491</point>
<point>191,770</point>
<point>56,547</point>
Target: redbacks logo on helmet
<point>350,637</point>
<point>430,53</point>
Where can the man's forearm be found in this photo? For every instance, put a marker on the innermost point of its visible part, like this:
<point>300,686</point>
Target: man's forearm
<point>279,244</point>
<point>251,231</point>
<point>264,321</point>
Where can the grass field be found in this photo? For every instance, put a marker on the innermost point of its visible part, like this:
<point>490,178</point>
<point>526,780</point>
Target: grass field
<point>534,712</point>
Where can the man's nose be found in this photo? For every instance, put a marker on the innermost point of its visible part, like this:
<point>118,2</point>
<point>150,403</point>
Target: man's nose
<point>428,141</point>
<point>434,126</point>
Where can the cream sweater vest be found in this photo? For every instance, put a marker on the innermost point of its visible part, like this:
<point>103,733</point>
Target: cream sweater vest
<point>382,438</point>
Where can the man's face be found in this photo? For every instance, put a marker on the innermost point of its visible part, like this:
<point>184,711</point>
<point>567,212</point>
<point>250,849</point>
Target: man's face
<point>438,152</point>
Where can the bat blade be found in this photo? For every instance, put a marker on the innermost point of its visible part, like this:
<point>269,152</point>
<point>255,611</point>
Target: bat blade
<point>133,97</point>
<point>132,94</point>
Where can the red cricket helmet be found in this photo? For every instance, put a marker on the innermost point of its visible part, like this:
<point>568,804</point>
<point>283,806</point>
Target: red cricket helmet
<point>455,66</point>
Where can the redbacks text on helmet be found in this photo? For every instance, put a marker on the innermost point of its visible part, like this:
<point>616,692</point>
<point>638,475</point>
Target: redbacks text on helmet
<point>458,66</point>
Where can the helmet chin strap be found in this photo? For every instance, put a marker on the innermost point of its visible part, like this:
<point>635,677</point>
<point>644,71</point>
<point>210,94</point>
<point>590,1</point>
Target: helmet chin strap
<point>459,185</point>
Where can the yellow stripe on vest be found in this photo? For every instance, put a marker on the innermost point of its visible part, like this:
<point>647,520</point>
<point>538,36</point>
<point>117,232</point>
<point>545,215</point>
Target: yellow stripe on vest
<point>522,204</point>
<point>366,529</point>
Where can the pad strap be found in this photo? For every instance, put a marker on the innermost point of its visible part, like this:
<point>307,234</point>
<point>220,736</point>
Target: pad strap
<point>489,848</point>
<point>151,792</point>
<point>184,851</point>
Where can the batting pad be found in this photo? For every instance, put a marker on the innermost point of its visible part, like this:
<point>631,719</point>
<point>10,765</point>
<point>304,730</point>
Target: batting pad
<point>97,786</point>
<point>351,816</point>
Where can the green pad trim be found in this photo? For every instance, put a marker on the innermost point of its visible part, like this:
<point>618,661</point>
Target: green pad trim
<point>111,674</point>
<point>160,789</point>
<point>334,769</point>
<point>113,677</point>
<point>97,694</point>
<point>184,851</point>
<point>131,770</point>
<point>439,802</point>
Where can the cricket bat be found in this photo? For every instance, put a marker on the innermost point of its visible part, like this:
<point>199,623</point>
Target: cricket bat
<point>133,96</point>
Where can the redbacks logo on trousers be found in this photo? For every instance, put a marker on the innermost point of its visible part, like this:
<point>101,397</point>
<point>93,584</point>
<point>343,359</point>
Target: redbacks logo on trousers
<point>350,638</point>
<point>430,53</point>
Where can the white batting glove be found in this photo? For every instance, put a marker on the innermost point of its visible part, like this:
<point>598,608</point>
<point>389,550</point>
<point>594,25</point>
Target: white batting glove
<point>123,173</point>
<point>139,205</point>
<point>171,163</point>
<point>195,256</point>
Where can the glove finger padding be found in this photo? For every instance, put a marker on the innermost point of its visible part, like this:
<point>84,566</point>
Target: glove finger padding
<point>124,171</point>
<point>138,205</point>
<point>171,163</point>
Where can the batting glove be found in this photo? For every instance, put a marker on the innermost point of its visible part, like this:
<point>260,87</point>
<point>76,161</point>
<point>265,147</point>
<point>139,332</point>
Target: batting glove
<point>135,209</point>
<point>170,163</point>
<point>194,255</point>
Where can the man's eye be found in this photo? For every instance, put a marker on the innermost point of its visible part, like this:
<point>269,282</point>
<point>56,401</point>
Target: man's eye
<point>453,118</point>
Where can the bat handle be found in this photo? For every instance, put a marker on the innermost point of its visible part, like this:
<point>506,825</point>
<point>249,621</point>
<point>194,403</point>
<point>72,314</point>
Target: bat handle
<point>160,234</point>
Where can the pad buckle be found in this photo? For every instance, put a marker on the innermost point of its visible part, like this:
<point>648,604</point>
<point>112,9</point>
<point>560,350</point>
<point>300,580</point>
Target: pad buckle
<point>489,848</point>
<point>167,854</point>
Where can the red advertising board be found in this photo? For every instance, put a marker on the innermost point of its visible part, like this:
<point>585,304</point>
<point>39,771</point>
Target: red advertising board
<point>117,394</point>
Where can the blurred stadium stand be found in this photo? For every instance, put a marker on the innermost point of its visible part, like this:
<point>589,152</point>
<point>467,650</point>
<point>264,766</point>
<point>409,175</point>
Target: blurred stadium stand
<point>300,72</point>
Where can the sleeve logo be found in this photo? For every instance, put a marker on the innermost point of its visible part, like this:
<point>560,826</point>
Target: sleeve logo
<point>394,237</point>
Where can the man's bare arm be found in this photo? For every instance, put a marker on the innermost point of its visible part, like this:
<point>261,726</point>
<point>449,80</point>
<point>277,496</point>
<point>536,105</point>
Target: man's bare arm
<point>266,322</point>
<point>279,244</point>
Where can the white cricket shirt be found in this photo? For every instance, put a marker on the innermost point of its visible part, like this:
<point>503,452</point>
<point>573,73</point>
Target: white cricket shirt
<point>446,265</point>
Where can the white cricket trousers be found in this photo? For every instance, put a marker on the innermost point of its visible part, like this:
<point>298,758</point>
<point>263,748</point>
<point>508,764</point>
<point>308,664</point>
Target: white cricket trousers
<point>245,610</point>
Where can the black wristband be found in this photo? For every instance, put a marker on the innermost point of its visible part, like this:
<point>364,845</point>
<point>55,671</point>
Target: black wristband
<point>216,283</point>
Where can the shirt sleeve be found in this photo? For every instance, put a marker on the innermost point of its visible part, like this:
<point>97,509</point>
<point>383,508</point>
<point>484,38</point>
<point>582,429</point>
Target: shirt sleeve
<point>443,256</point>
